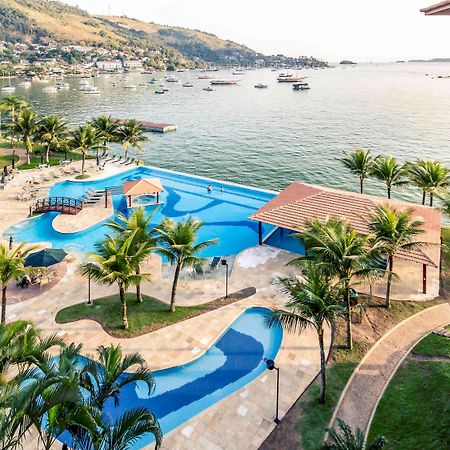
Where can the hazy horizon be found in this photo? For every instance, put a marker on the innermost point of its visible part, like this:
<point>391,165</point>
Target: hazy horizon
<point>358,30</point>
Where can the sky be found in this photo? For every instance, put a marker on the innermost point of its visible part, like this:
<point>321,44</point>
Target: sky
<point>360,30</point>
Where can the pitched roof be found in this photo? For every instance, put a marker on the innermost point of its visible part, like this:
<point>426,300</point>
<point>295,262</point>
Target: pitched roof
<point>142,186</point>
<point>439,9</point>
<point>300,203</point>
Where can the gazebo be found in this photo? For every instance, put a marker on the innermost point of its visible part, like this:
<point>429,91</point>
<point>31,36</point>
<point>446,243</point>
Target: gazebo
<point>143,192</point>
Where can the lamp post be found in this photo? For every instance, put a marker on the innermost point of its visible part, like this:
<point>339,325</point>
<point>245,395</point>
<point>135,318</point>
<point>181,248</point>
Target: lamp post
<point>225,263</point>
<point>89,301</point>
<point>270,365</point>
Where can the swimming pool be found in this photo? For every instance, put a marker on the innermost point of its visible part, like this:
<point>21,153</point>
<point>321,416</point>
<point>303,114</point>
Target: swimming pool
<point>224,211</point>
<point>182,392</point>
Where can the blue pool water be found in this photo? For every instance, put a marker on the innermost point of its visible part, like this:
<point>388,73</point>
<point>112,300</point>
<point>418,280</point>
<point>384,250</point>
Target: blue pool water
<point>182,392</point>
<point>224,212</point>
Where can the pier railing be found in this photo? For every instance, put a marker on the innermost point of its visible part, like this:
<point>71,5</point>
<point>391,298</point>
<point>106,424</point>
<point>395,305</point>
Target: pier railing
<point>64,205</point>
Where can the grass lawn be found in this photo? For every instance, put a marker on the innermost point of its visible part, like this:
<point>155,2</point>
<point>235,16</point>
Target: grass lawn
<point>5,160</point>
<point>55,159</point>
<point>143,317</point>
<point>414,412</point>
<point>150,315</point>
<point>433,345</point>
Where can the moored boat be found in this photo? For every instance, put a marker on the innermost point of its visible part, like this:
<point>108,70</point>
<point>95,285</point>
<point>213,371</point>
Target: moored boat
<point>302,86</point>
<point>9,89</point>
<point>208,89</point>
<point>92,90</point>
<point>223,82</point>
<point>261,86</point>
<point>50,90</point>
<point>188,84</point>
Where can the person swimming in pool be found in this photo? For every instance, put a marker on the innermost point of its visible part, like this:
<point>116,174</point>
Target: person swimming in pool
<point>209,188</point>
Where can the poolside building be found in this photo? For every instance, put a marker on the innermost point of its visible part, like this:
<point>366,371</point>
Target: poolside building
<point>299,203</point>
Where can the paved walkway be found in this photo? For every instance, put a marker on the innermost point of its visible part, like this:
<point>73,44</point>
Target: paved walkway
<point>369,380</point>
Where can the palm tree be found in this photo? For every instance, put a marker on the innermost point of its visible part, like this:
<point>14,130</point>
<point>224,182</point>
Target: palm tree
<point>359,162</point>
<point>395,230</point>
<point>345,439</point>
<point>84,139</point>
<point>104,379</point>
<point>107,128</point>
<point>12,105</point>
<point>11,266</point>
<point>344,253</point>
<point>52,131</point>
<point>139,223</point>
<point>115,262</point>
<point>386,169</point>
<point>313,303</point>
<point>131,134</point>
<point>177,242</point>
<point>438,176</point>
<point>445,199</point>
<point>418,177</point>
<point>25,126</point>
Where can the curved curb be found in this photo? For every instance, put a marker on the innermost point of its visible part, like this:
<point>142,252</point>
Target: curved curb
<point>366,356</point>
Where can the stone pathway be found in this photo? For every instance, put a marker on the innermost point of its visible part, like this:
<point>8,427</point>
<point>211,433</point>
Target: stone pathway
<point>366,386</point>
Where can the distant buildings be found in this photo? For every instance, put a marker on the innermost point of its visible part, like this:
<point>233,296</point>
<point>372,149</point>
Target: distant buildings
<point>109,66</point>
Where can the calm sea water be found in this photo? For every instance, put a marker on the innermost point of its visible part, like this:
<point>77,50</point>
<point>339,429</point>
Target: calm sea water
<point>270,137</point>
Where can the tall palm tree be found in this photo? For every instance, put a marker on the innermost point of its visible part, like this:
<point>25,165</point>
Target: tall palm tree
<point>313,303</point>
<point>12,105</point>
<point>386,169</point>
<point>52,131</point>
<point>11,266</point>
<point>177,242</point>
<point>131,134</point>
<point>139,223</point>
<point>418,177</point>
<point>359,162</point>
<point>115,262</point>
<point>84,139</point>
<point>345,439</point>
<point>395,230</point>
<point>439,178</point>
<point>107,128</point>
<point>344,253</point>
<point>445,199</point>
<point>25,126</point>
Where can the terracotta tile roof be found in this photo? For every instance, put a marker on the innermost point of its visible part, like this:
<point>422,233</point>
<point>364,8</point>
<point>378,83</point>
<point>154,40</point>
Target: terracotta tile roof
<point>300,203</point>
<point>142,186</point>
<point>439,9</point>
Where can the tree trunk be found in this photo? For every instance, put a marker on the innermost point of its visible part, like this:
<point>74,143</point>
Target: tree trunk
<point>124,307</point>
<point>82,164</point>
<point>424,194</point>
<point>323,377</point>
<point>431,199</point>
<point>28,155</point>
<point>4,304</point>
<point>361,185</point>
<point>47,154</point>
<point>389,282</point>
<point>174,286</point>
<point>349,317</point>
<point>138,287</point>
<point>389,192</point>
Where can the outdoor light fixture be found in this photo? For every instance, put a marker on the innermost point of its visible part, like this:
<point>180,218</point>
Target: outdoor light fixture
<point>225,263</point>
<point>270,365</point>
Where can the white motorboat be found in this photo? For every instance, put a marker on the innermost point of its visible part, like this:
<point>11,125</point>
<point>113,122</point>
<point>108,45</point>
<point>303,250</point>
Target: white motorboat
<point>50,90</point>
<point>131,86</point>
<point>208,89</point>
<point>25,84</point>
<point>261,86</point>
<point>172,79</point>
<point>92,90</point>
<point>188,84</point>
<point>9,89</point>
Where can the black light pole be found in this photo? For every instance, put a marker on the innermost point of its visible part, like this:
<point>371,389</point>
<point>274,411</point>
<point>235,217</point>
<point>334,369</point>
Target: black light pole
<point>89,301</point>
<point>270,364</point>
<point>225,263</point>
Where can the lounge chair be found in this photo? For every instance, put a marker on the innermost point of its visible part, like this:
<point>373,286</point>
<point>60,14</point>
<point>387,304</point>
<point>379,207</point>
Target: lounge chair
<point>215,262</point>
<point>198,271</point>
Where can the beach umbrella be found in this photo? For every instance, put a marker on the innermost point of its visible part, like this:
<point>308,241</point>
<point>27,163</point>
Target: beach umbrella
<point>45,258</point>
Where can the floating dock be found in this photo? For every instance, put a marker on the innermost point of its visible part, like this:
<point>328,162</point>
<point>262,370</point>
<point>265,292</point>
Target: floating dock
<point>154,127</point>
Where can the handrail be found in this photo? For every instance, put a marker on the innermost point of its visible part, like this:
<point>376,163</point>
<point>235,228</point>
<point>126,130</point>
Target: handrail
<point>65,205</point>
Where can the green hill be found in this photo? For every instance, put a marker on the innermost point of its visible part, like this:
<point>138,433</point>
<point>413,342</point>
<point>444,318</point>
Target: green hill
<point>49,22</point>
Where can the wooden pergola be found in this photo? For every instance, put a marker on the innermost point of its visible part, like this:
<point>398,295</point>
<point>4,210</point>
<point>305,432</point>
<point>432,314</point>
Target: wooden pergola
<point>439,9</point>
<point>144,186</point>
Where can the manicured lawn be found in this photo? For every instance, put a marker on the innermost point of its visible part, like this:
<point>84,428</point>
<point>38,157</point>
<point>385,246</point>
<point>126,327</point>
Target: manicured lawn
<point>433,345</point>
<point>143,317</point>
<point>414,412</point>
<point>55,160</point>
<point>5,160</point>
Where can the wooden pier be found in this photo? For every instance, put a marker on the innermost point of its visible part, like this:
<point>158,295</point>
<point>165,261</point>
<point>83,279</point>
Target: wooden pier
<point>154,127</point>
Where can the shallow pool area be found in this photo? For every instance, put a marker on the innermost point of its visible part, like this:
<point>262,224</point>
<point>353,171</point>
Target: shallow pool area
<point>234,360</point>
<point>224,210</point>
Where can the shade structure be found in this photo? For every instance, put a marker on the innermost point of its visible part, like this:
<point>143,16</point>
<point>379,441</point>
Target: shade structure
<point>142,187</point>
<point>45,258</point>
<point>439,9</point>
